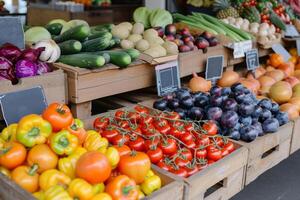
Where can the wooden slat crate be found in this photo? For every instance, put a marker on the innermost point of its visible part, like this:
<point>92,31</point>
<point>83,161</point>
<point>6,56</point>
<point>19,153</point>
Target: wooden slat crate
<point>171,189</point>
<point>267,151</point>
<point>295,141</point>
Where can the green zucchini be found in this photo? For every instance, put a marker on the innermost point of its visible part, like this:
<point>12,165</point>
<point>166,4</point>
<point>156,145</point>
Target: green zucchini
<point>98,34</point>
<point>277,21</point>
<point>83,60</point>
<point>80,33</point>
<point>117,57</point>
<point>97,44</point>
<point>70,47</point>
<point>54,28</point>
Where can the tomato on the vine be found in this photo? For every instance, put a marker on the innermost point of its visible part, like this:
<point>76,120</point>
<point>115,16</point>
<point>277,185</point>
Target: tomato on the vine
<point>162,164</point>
<point>189,127</point>
<point>214,154</point>
<point>202,140</point>
<point>137,144</point>
<point>120,115</point>
<point>153,142</point>
<point>120,139</point>
<point>201,153</point>
<point>190,144</point>
<point>172,116</point>
<point>186,137</point>
<point>162,126</point>
<point>101,123</point>
<point>141,109</point>
<point>146,119</point>
<point>219,141</point>
<point>179,172</point>
<point>229,146</point>
<point>134,117</point>
<point>169,146</point>
<point>187,154</point>
<point>148,129</point>
<point>210,128</point>
<point>176,131</point>
<point>110,133</point>
<point>181,162</point>
<point>155,154</point>
<point>225,152</point>
<point>190,169</point>
<point>209,162</point>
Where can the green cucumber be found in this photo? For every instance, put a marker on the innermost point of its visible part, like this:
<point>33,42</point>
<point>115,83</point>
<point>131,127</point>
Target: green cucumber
<point>119,58</point>
<point>106,57</point>
<point>134,54</point>
<point>54,28</point>
<point>83,60</point>
<point>97,44</point>
<point>277,21</point>
<point>80,33</point>
<point>98,35</point>
<point>70,47</point>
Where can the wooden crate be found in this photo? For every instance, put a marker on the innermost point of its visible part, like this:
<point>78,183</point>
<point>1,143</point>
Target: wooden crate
<point>53,83</point>
<point>267,151</point>
<point>220,181</point>
<point>295,141</point>
<point>171,188</point>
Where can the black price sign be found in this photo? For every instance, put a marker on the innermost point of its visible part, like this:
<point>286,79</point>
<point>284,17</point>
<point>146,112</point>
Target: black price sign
<point>167,78</point>
<point>279,49</point>
<point>11,30</point>
<point>16,105</point>
<point>252,60</point>
<point>214,67</point>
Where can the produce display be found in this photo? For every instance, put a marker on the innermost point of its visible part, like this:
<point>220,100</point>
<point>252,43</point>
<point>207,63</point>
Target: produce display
<point>52,156</point>
<point>178,146</point>
<point>16,63</point>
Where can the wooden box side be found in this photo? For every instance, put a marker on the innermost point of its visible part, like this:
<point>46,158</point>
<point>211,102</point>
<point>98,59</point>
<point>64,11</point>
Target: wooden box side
<point>295,141</point>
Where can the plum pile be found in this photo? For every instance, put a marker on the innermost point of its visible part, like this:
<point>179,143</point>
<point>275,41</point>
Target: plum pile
<point>236,110</point>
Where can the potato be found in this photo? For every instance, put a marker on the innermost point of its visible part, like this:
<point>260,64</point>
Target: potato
<point>170,47</point>
<point>142,45</point>
<point>127,25</point>
<point>150,33</point>
<point>153,41</point>
<point>120,32</point>
<point>127,44</point>
<point>134,38</point>
<point>152,52</point>
<point>138,28</point>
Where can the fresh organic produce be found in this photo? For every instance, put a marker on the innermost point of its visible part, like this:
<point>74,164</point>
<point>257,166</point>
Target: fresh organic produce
<point>234,109</point>
<point>54,157</point>
<point>175,145</point>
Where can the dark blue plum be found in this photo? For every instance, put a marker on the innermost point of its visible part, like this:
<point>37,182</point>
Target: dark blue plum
<point>248,99</point>
<point>245,121</point>
<point>270,125</point>
<point>160,104</point>
<point>187,102</point>
<point>202,101</point>
<point>230,104</point>
<point>237,87</point>
<point>254,119</point>
<point>181,112</point>
<point>266,104</point>
<point>275,108</point>
<point>226,91</point>
<point>240,98</point>
<point>224,98</point>
<point>216,91</point>
<point>173,103</point>
<point>216,100</point>
<point>214,113</point>
<point>266,114</point>
<point>182,93</point>
<point>229,119</point>
<point>195,113</point>
<point>248,133</point>
<point>282,118</point>
<point>235,135</point>
<point>257,112</point>
<point>197,95</point>
<point>246,109</point>
<point>258,127</point>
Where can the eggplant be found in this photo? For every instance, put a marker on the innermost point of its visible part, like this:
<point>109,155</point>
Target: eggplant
<point>160,104</point>
<point>270,125</point>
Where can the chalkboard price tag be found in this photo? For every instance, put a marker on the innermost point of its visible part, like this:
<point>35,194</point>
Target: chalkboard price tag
<point>11,31</point>
<point>279,49</point>
<point>214,67</point>
<point>167,78</point>
<point>252,60</point>
<point>291,31</point>
<point>16,105</point>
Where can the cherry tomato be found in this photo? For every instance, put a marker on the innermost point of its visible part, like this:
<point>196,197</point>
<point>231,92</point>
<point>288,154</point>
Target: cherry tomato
<point>219,141</point>
<point>225,152</point>
<point>180,172</point>
<point>214,154</point>
<point>210,162</point>
<point>123,124</point>
<point>162,126</point>
<point>210,128</point>
<point>163,165</point>
<point>187,154</point>
<point>191,170</point>
<point>169,146</point>
<point>181,162</point>
<point>148,129</point>
<point>120,139</point>
<point>151,143</point>
<point>101,123</point>
<point>120,115</point>
<point>134,117</point>
<point>172,116</point>
<point>155,154</point>
<point>190,144</point>
<point>135,130</point>
<point>110,133</point>
<point>189,127</point>
<point>141,109</point>
<point>229,146</point>
<point>177,131</point>
<point>186,136</point>
<point>202,141</point>
<point>137,144</point>
<point>201,153</point>
<point>146,119</point>
<point>178,123</point>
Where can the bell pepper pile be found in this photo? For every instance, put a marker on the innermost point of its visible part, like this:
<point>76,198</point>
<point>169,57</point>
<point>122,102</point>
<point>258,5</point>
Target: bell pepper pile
<point>53,157</point>
<point>178,146</point>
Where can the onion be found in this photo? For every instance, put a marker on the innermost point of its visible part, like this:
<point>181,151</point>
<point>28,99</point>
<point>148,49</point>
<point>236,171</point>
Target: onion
<point>10,52</point>
<point>7,70</point>
<point>266,81</point>
<point>292,80</point>
<point>199,84</point>
<point>295,101</point>
<point>25,68</point>
<point>42,68</point>
<point>281,92</point>
<point>291,109</point>
<point>276,74</point>
<point>228,79</point>
<point>32,54</point>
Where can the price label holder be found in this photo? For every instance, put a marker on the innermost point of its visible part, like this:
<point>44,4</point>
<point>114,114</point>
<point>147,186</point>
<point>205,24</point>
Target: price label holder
<point>16,105</point>
<point>167,78</point>
<point>291,31</point>
<point>11,31</point>
<point>214,68</point>
<point>279,49</point>
<point>239,48</point>
<point>252,60</point>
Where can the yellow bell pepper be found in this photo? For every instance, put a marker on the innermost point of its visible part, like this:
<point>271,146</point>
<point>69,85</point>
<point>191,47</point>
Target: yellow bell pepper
<point>53,177</point>
<point>149,174</point>
<point>67,164</point>
<point>5,172</point>
<point>33,129</point>
<point>57,192</point>
<point>98,188</point>
<point>113,156</point>
<point>141,194</point>
<point>102,196</point>
<point>151,184</point>
<point>40,195</point>
<point>94,142</point>
<point>64,143</point>
<point>80,189</point>
<point>9,133</point>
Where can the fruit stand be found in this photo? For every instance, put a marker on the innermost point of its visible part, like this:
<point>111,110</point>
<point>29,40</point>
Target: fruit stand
<point>228,109</point>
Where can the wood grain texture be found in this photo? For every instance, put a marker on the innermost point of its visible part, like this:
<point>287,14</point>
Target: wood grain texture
<point>295,141</point>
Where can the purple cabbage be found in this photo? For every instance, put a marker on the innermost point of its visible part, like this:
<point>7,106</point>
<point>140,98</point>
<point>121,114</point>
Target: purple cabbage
<point>32,54</point>
<point>25,68</point>
<point>43,68</point>
<point>10,52</point>
<point>7,70</point>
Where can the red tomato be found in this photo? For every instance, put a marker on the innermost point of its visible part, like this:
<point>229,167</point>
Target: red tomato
<point>214,154</point>
<point>169,146</point>
<point>178,123</point>
<point>120,139</point>
<point>191,170</point>
<point>201,153</point>
<point>210,128</point>
<point>148,129</point>
<point>189,127</point>
<point>190,144</point>
<point>177,131</point>
<point>120,115</point>
<point>202,141</point>
<point>134,117</point>
<point>151,143</point>
<point>219,141</point>
<point>110,133</point>
<point>141,109</point>
<point>155,154</point>
<point>186,137</point>
<point>180,172</point>
<point>186,153</point>
<point>210,162</point>
<point>225,152</point>
<point>137,144</point>
<point>101,123</point>
<point>162,126</point>
<point>172,116</point>
<point>146,119</point>
<point>163,165</point>
<point>229,146</point>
